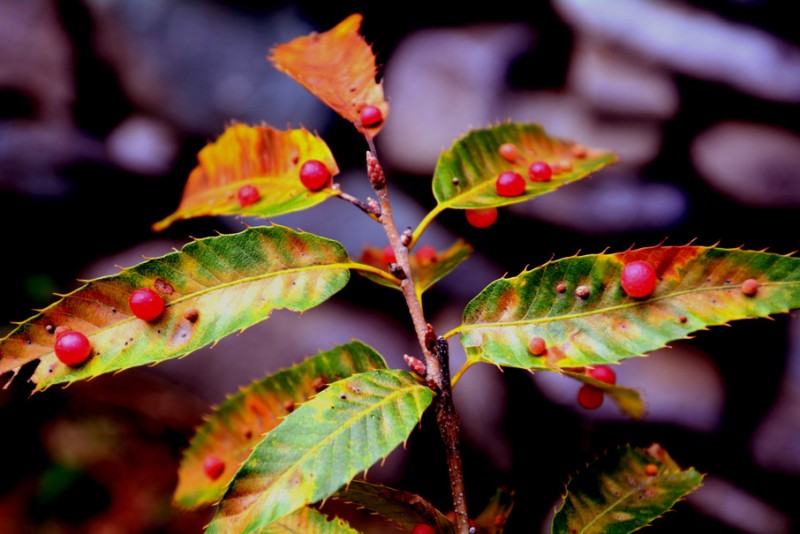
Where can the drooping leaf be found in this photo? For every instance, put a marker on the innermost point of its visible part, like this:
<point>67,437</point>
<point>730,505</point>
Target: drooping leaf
<point>338,67</point>
<point>212,287</point>
<point>309,521</point>
<point>425,271</point>
<point>466,173</point>
<point>623,492</point>
<point>321,446</point>
<point>257,156</point>
<point>628,399</point>
<point>240,422</point>
<point>697,287</point>
<point>404,508</point>
<point>493,518</point>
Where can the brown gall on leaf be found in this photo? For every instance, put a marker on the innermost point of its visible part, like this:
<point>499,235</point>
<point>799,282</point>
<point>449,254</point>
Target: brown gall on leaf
<point>750,287</point>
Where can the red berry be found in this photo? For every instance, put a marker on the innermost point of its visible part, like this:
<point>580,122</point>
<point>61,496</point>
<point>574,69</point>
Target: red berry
<point>509,151</point>
<point>539,171</point>
<point>426,254</point>
<point>603,373</point>
<point>638,279</point>
<point>590,397</point>
<point>248,194</point>
<point>482,218</point>
<point>510,184</point>
<point>537,346</point>
<point>388,255</point>
<point>314,174</point>
<point>370,116</point>
<point>213,467</point>
<point>422,528</point>
<point>72,348</point>
<point>146,304</point>
<point>750,287</point>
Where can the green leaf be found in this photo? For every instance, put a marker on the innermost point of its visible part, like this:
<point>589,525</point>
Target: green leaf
<point>697,287</point>
<point>321,446</point>
<point>628,399</point>
<point>617,494</point>
<point>212,288</point>
<point>258,156</point>
<point>465,175</point>
<point>309,521</point>
<point>406,509</point>
<point>493,518</point>
<point>240,422</point>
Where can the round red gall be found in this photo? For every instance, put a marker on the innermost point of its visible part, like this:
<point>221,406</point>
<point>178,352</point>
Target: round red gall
<point>510,184</point>
<point>590,397</point>
<point>370,116</point>
<point>423,528</point>
<point>314,175</point>
<point>561,287</point>
<point>638,279</point>
<point>603,373</point>
<point>72,348</point>
<point>482,218</point>
<point>583,292</point>
<point>651,470</point>
<point>426,254</point>
<point>509,152</point>
<point>579,151</point>
<point>750,287</point>
<point>213,466</point>
<point>539,171</point>
<point>248,195</point>
<point>146,304</point>
<point>537,346</point>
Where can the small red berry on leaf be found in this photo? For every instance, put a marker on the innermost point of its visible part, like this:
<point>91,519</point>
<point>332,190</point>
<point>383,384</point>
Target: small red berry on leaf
<point>750,287</point>
<point>510,184</point>
<point>590,397</point>
<point>423,528</point>
<point>248,195</point>
<point>426,254</point>
<point>213,467</point>
<point>146,304</point>
<point>388,255</point>
<point>72,348</point>
<point>539,171</point>
<point>370,116</point>
<point>537,346</point>
<point>482,218</point>
<point>314,174</point>
<point>509,152</point>
<point>603,373</point>
<point>651,470</point>
<point>638,279</point>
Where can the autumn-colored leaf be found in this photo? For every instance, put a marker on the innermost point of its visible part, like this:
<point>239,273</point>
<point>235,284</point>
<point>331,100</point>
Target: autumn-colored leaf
<point>338,67</point>
<point>425,270</point>
<point>493,518</point>
<point>308,521</point>
<point>212,287</point>
<point>628,399</point>
<point>321,446</point>
<point>404,508</point>
<point>239,423</point>
<point>623,492</point>
<point>259,157</point>
<point>579,308</point>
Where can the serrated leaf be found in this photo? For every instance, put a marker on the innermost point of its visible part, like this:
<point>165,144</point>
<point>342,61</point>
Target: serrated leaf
<point>212,287</point>
<point>404,508</point>
<point>616,494</point>
<point>321,446</point>
<point>466,173</point>
<point>338,67</point>
<point>309,521</point>
<point>628,399</point>
<point>260,156</point>
<point>425,272</point>
<point>493,518</point>
<point>239,423</point>
<point>697,287</point>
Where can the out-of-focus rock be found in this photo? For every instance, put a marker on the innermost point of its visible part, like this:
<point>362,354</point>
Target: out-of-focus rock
<point>694,42</point>
<point>755,164</point>
<point>143,145</point>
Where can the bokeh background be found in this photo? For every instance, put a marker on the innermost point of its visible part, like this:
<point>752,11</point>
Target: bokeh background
<point>104,105</point>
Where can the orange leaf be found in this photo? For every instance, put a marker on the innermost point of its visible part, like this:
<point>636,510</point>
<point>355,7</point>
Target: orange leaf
<point>338,67</point>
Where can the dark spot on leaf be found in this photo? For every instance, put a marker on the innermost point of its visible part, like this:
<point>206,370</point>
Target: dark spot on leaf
<point>191,315</point>
<point>343,396</point>
<point>333,407</point>
<point>682,318</point>
<point>49,328</point>
<point>319,384</point>
<point>455,181</point>
<point>727,282</point>
<point>113,310</point>
<point>713,301</point>
<point>248,434</point>
<point>288,406</point>
<point>708,280</point>
<point>163,287</point>
<point>29,342</point>
<point>158,331</point>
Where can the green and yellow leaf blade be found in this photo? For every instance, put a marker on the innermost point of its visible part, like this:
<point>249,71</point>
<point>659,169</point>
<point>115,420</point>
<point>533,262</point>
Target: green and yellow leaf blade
<point>493,518</point>
<point>309,521</point>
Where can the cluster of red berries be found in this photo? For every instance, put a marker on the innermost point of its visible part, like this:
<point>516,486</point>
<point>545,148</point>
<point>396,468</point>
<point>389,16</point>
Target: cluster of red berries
<point>591,397</point>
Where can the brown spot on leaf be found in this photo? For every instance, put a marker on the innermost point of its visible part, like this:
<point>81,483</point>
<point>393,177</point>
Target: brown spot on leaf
<point>561,287</point>
<point>163,287</point>
<point>682,318</point>
<point>582,292</point>
<point>191,315</point>
<point>288,406</point>
<point>49,328</point>
<point>319,384</point>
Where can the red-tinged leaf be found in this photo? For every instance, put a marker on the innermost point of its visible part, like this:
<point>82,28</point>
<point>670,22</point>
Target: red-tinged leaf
<point>321,446</point>
<point>212,287</point>
<point>493,518</point>
<point>253,156</point>
<point>239,423</point>
<point>624,491</point>
<point>308,521</point>
<point>404,508</point>
<point>628,399</point>
<point>338,67</point>
<point>697,287</point>
<point>425,271</point>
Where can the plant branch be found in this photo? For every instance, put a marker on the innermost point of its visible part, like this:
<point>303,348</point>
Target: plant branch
<point>374,270</point>
<point>373,210</point>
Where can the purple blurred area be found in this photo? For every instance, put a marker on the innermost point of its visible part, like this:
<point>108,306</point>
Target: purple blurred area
<point>104,105</point>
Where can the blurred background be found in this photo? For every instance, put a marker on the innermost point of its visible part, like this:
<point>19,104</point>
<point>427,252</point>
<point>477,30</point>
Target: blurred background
<point>104,105</point>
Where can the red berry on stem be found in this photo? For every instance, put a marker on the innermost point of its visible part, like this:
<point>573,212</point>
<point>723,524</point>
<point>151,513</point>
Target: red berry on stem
<point>510,184</point>
<point>426,254</point>
<point>539,171</point>
<point>314,174</point>
<point>509,152</point>
<point>482,218</point>
<point>213,466</point>
<point>388,255</point>
<point>603,373</point>
<point>638,279</point>
<point>146,304</point>
<point>537,346</point>
<point>72,348</point>
<point>590,397</point>
<point>422,528</point>
<point>248,195</point>
<point>370,116</point>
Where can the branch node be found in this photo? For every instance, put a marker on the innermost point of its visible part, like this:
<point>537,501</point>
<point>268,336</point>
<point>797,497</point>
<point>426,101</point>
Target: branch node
<point>416,365</point>
<point>405,237</point>
<point>375,172</point>
<point>397,270</point>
